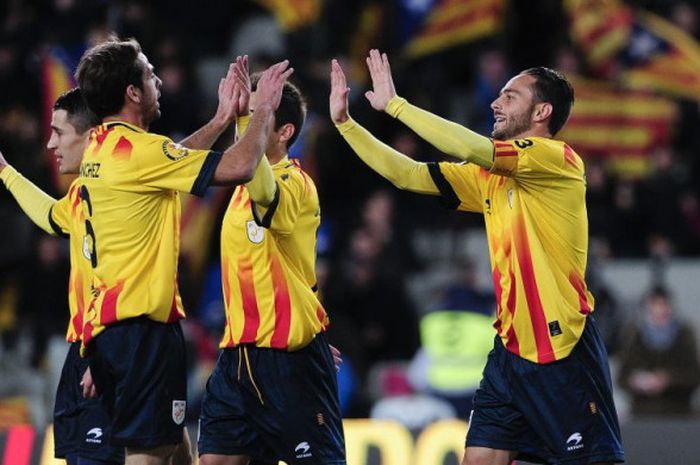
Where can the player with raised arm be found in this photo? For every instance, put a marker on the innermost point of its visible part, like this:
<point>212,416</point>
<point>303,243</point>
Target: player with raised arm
<point>273,393</point>
<point>130,183</point>
<point>81,426</point>
<point>546,393</point>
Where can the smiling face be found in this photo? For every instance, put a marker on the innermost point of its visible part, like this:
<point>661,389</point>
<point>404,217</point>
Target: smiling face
<point>150,108</point>
<point>513,108</point>
<point>67,143</point>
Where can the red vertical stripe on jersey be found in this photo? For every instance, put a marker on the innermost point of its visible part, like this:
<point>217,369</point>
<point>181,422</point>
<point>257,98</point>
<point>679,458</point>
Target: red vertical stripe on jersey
<point>237,197</point>
<point>512,344</point>
<point>18,446</point>
<point>227,340</point>
<point>580,286</point>
<point>123,149</point>
<point>283,316</point>
<point>100,133</point>
<point>250,303</point>
<point>498,291</point>
<point>108,311</point>
<point>545,353</point>
<point>77,321</point>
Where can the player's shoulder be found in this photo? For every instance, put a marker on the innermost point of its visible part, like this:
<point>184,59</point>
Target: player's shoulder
<point>291,173</point>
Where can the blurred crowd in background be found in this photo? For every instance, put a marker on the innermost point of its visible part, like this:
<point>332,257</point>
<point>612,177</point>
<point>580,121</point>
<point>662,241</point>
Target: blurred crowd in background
<point>377,247</point>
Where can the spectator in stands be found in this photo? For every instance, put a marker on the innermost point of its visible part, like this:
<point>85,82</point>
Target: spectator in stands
<point>659,362</point>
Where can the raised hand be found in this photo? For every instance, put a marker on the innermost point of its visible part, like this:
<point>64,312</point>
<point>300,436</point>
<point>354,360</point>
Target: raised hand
<point>382,82</point>
<point>269,89</point>
<point>338,100</point>
<point>226,111</point>
<point>242,85</point>
<point>3,162</point>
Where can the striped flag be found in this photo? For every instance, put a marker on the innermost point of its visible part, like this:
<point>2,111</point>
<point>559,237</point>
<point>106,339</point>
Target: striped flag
<point>57,68</point>
<point>293,14</point>
<point>622,126</point>
<point>637,48</point>
<point>430,26</point>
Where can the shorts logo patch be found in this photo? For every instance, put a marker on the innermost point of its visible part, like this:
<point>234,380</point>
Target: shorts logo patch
<point>256,233</point>
<point>301,451</point>
<point>93,436</point>
<point>554,328</point>
<point>574,442</point>
<point>179,407</point>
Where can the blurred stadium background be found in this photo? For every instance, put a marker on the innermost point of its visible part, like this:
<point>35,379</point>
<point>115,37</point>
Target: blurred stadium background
<point>387,259</point>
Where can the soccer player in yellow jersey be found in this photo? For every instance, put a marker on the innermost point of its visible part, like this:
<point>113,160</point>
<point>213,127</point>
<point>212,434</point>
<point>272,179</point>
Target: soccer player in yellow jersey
<point>546,393</point>
<point>80,426</point>
<point>273,393</point>
<point>130,181</point>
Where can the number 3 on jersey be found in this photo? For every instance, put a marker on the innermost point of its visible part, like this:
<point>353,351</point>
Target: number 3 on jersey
<point>89,241</point>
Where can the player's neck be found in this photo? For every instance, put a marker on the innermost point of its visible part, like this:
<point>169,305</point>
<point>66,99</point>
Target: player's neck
<point>534,131</point>
<point>275,156</point>
<point>128,116</point>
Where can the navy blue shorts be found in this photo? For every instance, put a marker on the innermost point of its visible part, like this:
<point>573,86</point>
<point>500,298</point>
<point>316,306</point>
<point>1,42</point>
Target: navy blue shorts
<point>558,413</point>
<point>274,405</point>
<point>81,426</point>
<point>139,369</point>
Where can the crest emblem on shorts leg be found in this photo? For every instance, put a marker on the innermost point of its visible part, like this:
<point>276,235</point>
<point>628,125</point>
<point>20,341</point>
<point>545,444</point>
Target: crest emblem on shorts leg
<point>179,407</point>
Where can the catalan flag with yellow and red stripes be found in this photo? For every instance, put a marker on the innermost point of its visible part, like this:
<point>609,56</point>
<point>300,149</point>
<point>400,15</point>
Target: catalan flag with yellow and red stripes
<point>621,126</point>
<point>293,14</point>
<point>435,25</point>
<point>637,48</point>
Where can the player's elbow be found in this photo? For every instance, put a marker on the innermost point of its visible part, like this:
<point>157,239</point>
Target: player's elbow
<point>233,175</point>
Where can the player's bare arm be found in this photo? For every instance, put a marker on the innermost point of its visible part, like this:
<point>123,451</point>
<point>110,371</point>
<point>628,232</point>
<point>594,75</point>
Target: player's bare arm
<point>447,136</point>
<point>240,160</point>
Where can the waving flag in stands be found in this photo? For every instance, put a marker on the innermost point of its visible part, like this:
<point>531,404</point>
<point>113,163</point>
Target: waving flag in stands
<point>621,126</point>
<point>429,26</point>
<point>638,48</point>
<point>293,14</point>
<point>57,66</point>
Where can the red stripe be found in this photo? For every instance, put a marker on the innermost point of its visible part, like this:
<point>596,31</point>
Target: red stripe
<point>18,446</point>
<point>506,153</point>
<point>655,121</point>
<point>77,321</point>
<point>545,353</point>
<point>122,149</point>
<point>251,314</point>
<point>579,284</point>
<point>283,314</point>
<point>321,315</point>
<point>100,133</point>
<point>498,291</point>
<point>108,310</point>
<point>460,23</point>
<point>569,156</point>
<point>175,312</point>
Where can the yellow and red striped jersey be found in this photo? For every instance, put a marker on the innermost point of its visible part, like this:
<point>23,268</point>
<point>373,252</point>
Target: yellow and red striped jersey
<point>130,182</point>
<point>67,219</point>
<point>533,202</point>
<point>268,265</point>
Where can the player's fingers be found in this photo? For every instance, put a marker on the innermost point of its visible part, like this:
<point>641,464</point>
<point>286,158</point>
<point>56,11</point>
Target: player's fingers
<point>369,95</point>
<point>385,61</point>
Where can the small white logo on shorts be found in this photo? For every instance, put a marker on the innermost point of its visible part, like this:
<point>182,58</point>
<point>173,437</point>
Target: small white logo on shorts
<point>255,232</point>
<point>179,411</point>
<point>574,442</point>
<point>94,435</point>
<point>302,450</point>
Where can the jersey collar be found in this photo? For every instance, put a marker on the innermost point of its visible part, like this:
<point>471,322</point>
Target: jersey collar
<point>111,124</point>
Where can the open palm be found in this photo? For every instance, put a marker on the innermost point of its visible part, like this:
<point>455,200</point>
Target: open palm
<point>382,83</point>
<point>338,101</point>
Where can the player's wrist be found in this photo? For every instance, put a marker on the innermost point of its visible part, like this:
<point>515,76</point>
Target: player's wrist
<point>395,105</point>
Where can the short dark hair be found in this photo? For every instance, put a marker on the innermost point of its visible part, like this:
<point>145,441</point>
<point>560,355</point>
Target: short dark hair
<point>292,107</point>
<point>79,115</point>
<point>551,86</point>
<point>104,73</point>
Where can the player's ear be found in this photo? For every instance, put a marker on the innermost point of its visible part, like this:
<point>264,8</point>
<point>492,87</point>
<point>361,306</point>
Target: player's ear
<point>286,132</point>
<point>542,111</point>
<point>133,94</point>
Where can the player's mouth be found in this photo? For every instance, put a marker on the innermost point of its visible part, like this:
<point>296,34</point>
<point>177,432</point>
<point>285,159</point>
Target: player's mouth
<point>499,118</point>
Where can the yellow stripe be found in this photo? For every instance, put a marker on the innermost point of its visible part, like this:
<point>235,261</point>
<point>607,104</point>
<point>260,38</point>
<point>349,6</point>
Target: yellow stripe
<point>250,375</point>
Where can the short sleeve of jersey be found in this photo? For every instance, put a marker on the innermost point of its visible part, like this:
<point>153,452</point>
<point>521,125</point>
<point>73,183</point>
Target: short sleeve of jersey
<point>166,165</point>
<point>529,159</point>
<point>281,215</point>
<point>60,216</point>
<point>459,185</point>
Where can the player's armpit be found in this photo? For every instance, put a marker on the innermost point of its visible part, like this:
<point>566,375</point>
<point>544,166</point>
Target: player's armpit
<point>35,203</point>
<point>403,172</point>
<point>448,137</point>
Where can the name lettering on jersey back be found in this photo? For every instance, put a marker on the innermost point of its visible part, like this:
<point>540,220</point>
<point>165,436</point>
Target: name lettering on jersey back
<point>90,170</point>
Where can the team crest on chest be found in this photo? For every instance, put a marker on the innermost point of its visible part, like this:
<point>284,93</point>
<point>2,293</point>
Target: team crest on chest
<point>256,233</point>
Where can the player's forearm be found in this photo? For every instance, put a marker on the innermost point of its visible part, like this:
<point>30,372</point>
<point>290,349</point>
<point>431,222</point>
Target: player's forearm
<point>448,137</point>
<point>400,170</point>
<point>35,203</point>
<point>238,163</point>
<point>204,137</point>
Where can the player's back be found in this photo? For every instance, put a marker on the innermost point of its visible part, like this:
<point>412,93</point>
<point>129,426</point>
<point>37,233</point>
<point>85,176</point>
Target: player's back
<point>268,264</point>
